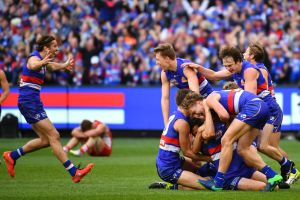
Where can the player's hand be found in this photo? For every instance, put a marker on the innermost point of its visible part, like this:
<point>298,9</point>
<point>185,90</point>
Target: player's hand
<point>192,65</point>
<point>47,58</point>
<point>69,64</point>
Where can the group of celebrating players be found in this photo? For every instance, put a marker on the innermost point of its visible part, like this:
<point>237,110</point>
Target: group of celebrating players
<point>226,128</point>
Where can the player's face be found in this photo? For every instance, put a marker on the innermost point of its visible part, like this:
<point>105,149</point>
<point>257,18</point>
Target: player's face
<point>197,111</point>
<point>53,49</point>
<point>247,54</point>
<point>162,62</point>
<point>230,65</point>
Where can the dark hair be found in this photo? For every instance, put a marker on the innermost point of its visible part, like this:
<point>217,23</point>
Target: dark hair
<point>43,41</point>
<point>230,85</point>
<point>257,51</point>
<point>186,98</point>
<point>165,50</point>
<point>195,122</point>
<point>233,52</point>
<point>86,125</point>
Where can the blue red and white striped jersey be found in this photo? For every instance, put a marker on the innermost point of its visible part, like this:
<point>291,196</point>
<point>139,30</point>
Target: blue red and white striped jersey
<point>270,82</point>
<point>169,146</point>
<point>262,85</point>
<point>33,78</point>
<point>178,79</point>
<point>234,100</point>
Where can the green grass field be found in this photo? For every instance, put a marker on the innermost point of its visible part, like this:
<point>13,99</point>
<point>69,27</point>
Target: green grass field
<point>124,175</point>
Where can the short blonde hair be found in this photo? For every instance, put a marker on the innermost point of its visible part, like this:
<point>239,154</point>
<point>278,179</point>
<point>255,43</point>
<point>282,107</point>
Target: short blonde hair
<point>230,85</point>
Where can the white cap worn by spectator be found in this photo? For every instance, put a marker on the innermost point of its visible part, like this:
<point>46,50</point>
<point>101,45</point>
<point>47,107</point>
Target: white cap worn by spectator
<point>94,60</point>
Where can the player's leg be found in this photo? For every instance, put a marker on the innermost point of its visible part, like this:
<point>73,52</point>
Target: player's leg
<point>264,143</point>
<point>46,128</point>
<point>11,157</point>
<point>90,146</point>
<point>258,176</point>
<point>189,165</point>
<point>247,151</point>
<point>252,158</point>
<point>236,129</point>
<point>250,184</point>
<point>275,140</point>
<point>190,180</point>
<point>73,142</point>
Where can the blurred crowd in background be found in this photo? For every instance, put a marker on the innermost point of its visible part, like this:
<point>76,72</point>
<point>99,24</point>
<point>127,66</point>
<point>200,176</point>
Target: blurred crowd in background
<point>112,41</point>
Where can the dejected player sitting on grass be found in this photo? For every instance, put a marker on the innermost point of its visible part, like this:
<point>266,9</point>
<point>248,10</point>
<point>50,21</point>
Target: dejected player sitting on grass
<point>95,137</point>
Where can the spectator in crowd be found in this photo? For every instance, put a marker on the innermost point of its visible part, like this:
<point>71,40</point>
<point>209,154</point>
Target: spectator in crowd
<point>196,29</point>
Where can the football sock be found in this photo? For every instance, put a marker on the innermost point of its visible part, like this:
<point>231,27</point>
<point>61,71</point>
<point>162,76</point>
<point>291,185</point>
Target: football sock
<point>268,171</point>
<point>17,153</point>
<point>66,148</point>
<point>219,179</point>
<point>285,163</point>
<point>84,148</point>
<point>70,167</point>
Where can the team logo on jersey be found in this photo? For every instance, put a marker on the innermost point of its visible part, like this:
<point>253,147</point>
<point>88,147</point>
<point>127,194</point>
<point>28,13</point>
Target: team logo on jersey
<point>162,143</point>
<point>173,82</point>
<point>243,116</point>
<point>37,116</point>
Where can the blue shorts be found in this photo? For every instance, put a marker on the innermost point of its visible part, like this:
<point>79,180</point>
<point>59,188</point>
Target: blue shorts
<point>170,174</point>
<point>207,170</point>
<point>232,182</point>
<point>254,113</point>
<point>30,106</point>
<point>276,116</point>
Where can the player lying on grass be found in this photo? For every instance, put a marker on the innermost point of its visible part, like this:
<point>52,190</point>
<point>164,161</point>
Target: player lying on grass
<point>95,137</point>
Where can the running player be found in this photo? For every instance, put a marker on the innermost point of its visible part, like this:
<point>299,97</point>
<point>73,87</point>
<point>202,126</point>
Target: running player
<point>171,167</point>
<point>32,109</point>
<point>95,137</point>
<point>173,74</point>
<point>250,78</point>
<point>255,55</point>
<point>251,116</point>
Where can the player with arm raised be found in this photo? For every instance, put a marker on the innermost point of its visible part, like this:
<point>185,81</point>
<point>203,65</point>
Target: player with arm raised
<point>173,74</point>
<point>31,107</point>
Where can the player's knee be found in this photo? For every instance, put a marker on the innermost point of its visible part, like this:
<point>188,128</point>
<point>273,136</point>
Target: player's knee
<point>45,142</point>
<point>262,147</point>
<point>54,136</point>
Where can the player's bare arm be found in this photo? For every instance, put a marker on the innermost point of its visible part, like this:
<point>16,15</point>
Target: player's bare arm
<point>35,63</point>
<point>192,79</point>
<point>183,129</point>
<point>78,133</point>
<point>68,65</point>
<point>98,131</point>
<point>250,76</point>
<point>213,103</point>
<point>165,97</point>
<point>4,86</point>
<point>209,130</point>
<point>208,73</point>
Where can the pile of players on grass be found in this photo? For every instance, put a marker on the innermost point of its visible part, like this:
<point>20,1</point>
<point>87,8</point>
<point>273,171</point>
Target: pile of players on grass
<point>223,129</point>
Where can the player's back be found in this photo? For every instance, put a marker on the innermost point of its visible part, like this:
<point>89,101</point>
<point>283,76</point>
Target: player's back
<point>169,146</point>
